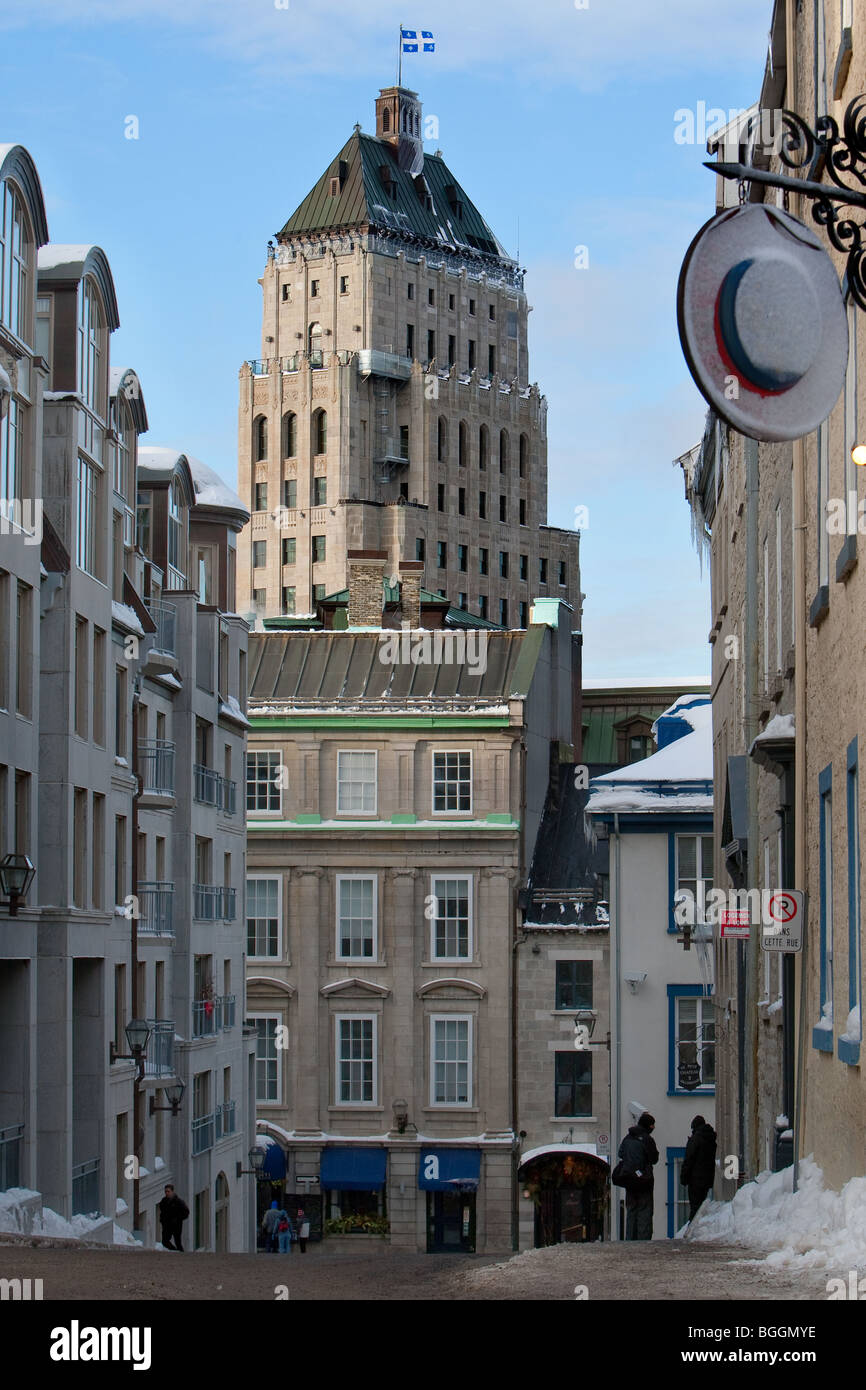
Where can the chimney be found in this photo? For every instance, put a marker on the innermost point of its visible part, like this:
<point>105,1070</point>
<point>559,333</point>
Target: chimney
<point>366,570</point>
<point>411,575</point>
<point>398,122</point>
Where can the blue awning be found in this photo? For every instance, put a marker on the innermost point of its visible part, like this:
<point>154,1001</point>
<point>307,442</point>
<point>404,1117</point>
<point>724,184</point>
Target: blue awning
<point>353,1170</point>
<point>274,1166</point>
<point>449,1170</point>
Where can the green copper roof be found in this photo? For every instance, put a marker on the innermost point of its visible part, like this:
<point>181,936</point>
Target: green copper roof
<point>452,222</point>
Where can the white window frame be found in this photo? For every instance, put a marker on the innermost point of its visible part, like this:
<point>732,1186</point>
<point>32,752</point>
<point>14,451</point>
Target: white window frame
<point>469,880</point>
<point>87,515</point>
<point>267,878</point>
<point>338,1060</point>
<point>280,1021</point>
<point>703,1013</point>
<point>700,876</point>
<point>451,814</point>
<point>357,878</point>
<point>355,814</point>
<point>468,1019</point>
<point>256,812</point>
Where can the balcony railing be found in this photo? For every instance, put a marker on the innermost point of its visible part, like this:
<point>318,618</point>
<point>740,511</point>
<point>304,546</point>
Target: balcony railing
<point>202,1134</point>
<point>85,1188</point>
<point>205,1018</point>
<point>229,900</point>
<point>11,1143</point>
<point>225,1122</point>
<point>165,617</point>
<point>212,789</point>
<point>214,904</point>
<point>226,1011</point>
<point>156,760</point>
<point>159,1061</point>
<point>156,909</point>
<point>230,795</point>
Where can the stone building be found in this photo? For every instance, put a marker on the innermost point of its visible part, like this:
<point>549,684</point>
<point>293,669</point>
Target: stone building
<point>783,523</point>
<point>391,408</point>
<point>394,795</point>
<point>135,649</point>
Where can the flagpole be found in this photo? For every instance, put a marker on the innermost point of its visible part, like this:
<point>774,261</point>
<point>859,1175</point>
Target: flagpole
<point>400,58</point>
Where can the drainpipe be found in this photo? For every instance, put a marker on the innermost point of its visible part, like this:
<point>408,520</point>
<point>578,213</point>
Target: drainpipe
<point>748,952</point>
<point>515,1190</point>
<point>616,972</point>
<point>137,1001</point>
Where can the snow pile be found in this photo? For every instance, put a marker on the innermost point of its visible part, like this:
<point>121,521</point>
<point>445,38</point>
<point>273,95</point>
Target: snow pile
<point>49,1223</point>
<point>813,1228</point>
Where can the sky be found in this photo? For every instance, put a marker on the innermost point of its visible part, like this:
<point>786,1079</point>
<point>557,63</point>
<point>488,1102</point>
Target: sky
<point>557,118</point>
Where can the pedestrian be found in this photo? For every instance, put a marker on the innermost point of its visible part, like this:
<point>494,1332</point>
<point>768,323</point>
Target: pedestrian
<point>270,1222</point>
<point>698,1172</point>
<point>285,1234</point>
<point>639,1154</point>
<point>302,1228</point>
<point>173,1211</point>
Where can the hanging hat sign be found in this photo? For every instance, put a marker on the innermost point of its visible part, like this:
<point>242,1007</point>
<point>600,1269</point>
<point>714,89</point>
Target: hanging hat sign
<point>762,322</point>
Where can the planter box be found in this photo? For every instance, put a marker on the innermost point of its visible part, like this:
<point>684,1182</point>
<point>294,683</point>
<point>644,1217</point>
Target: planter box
<point>344,1244</point>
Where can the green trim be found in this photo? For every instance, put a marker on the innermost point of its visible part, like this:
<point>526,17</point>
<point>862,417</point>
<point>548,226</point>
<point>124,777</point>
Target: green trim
<point>457,720</point>
<point>308,818</point>
<point>498,817</point>
<point>403,818</point>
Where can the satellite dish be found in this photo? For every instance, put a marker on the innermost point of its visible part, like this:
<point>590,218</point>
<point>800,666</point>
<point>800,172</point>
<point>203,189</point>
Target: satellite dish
<point>762,322</point>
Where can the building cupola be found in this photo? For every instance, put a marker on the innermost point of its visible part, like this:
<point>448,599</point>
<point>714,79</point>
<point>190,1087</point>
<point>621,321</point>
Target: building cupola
<point>398,121</point>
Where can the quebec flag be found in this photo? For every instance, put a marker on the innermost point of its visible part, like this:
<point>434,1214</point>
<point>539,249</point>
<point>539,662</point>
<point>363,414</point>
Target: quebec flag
<point>410,41</point>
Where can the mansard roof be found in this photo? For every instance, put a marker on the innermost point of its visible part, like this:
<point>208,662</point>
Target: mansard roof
<point>363,200</point>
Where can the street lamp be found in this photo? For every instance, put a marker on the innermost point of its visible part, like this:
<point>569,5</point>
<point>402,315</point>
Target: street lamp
<point>858,454</point>
<point>584,1023</point>
<point>256,1157</point>
<point>16,876</point>
<point>174,1096</point>
<point>400,1111</point>
<point>137,1037</point>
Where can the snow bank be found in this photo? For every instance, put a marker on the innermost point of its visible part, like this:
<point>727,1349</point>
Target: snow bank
<point>49,1223</point>
<point>813,1228</point>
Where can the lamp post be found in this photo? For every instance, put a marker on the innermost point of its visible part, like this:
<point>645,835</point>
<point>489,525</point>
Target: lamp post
<point>256,1157</point>
<point>16,875</point>
<point>174,1096</point>
<point>400,1111</point>
<point>137,1037</point>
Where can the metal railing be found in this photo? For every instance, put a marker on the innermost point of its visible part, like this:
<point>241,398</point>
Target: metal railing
<point>229,911</point>
<point>202,1134</point>
<point>85,1188</point>
<point>155,908</point>
<point>230,795</point>
<point>165,617</point>
<point>226,1011</point>
<point>225,1121</point>
<point>11,1140</point>
<point>205,1018</point>
<point>159,1061</point>
<point>156,760</point>
<point>212,789</point>
<point>207,902</point>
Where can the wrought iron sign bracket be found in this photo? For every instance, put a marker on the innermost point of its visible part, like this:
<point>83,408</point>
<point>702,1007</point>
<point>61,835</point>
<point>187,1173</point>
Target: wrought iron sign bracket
<point>841,156</point>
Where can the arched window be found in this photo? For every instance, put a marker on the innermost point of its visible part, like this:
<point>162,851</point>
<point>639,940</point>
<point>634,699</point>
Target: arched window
<point>176,557</point>
<point>290,435</point>
<point>442,439</point>
<point>462,444</point>
<point>16,262</point>
<point>483,446</point>
<point>524,455</point>
<point>320,432</point>
<point>314,344</point>
<point>386,120</point>
<point>91,346</point>
<point>260,439</point>
<point>503,451</point>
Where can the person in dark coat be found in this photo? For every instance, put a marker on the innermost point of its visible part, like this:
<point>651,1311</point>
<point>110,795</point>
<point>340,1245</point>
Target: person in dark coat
<point>639,1154</point>
<point>698,1172</point>
<point>173,1211</point>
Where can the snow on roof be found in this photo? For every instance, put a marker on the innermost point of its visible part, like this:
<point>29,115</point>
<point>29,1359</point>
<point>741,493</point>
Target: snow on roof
<point>591,1149</point>
<point>780,726</point>
<point>210,490</point>
<point>55,254</point>
<point>677,778</point>
<point>155,458</point>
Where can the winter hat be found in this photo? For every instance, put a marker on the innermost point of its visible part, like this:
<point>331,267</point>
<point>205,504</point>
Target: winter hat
<point>274,1206</point>
<point>698,1120</point>
<point>646,1120</point>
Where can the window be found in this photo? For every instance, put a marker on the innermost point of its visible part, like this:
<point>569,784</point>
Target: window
<point>431,296</point>
<point>289,549</point>
<point>290,435</point>
<point>693,1034</point>
<point>542,570</point>
<point>503,612</point>
<point>524,567</point>
<point>431,344</point>
<point>483,446</point>
<point>263,917</point>
<point>524,613</point>
<point>289,598</point>
<point>678,1195</point>
<point>849,1042</point>
<point>91,348</point>
<point>290,493</point>
<point>452,349</point>
<point>356,1065</point>
<point>85,554</point>
<point>120,711</point>
<point>79,851</point>
<point>260,438</point>
<point>356,917</point>
<point>16,259</point>
<point>524,451</point>
<point>463,600</point>
<point>491,360</point>
<point>356,783</point>
<point>410,340</point>
<point>442,555</point>
<point>450,1060</point>
<point>451,927</point>
<point>450,301</point>
<point>314,289</point>
<point>260,554</point>
<point>694,868</point>
<point>267,1059</point>
<point>562,573</point>
<point>344,284</point>
<point>503,564</point>
<point>260,599</point>
<point>410,291</point>
<point>491,312</point>
<point>573,984</point>
<point>440,497</point>
<point>638,747</point>
<point>318,549</point>
<point>452,781</point>
<point>482,605</point>
<point>441,439</point>
<point>823,442</point>
<point>99,687</point>
<point>503,509</point>
<point>12,452</point>
<point>80,694</point>
<point>318,592</point>
<point>119,859</point>
<point>572,1083</point>
<point>320,492</point>
<point>779,587</point>
<point>264,783</point>
<point>521,511</point>
<point>404,441</point>
<point>472,308</point>
<point>765,617</point>
<point>482,505</point>
<point>471,354</point>
<point>483,560</point>
<point>420,548</point>
<point>287,293</point>
<point>320,432</point>
<point>260,499</point>
<point>822,1034</point>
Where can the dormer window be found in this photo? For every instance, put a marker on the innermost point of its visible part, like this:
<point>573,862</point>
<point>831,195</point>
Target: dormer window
<point>386,176</point>
<point>16,262</point>
<point>176,557</point>
<point>91,347</point>
<point>454,200</point>
<point>335,188</point>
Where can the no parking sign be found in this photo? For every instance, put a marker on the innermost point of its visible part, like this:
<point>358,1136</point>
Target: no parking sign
<point>784,920</point>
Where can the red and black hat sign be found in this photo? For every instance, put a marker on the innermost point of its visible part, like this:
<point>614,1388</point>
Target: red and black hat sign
<point>762,322</point>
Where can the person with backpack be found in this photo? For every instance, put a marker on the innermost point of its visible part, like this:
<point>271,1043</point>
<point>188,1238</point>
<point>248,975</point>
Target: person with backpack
<point>638,1155</point>
<point>270,1222</point>
<point>698,1172</point>
<point>285,1232</point>
<point>173,1211</point>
